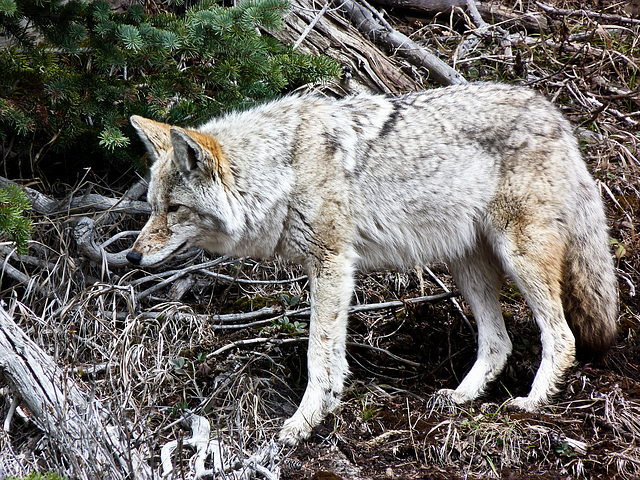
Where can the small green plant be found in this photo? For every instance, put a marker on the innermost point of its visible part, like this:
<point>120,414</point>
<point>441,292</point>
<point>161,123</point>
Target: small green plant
<point>368,411</point>
<point>178,409</point>
<point>14,223</point>
<point>39,476</point>
<point>564,450</point>
<point>618,247</point>
<point>284,325</point>
<point>179,364</point>
<point>289,302</point>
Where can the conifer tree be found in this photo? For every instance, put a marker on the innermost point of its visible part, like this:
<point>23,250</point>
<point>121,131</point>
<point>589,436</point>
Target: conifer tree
<point>14,224</point>
<point>74,71</point>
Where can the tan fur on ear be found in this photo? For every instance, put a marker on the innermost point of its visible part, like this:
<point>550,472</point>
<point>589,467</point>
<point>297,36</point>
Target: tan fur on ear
<point>220,163</point>
<point>155,135</point>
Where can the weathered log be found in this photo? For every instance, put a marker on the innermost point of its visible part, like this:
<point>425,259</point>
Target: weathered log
<point>78,425</point>
<point>363,17</point>
<point>365,65</point>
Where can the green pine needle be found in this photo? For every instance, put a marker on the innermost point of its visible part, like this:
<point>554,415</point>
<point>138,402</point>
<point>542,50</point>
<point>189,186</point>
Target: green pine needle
<point>95,67</point>
<point>8,7</point>
<point>14,205</point>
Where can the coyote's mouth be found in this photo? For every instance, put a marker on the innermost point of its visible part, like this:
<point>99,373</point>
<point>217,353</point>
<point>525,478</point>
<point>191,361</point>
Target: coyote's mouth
<point>136,258</point>
<point>183,246</point>
<point>180,248</point>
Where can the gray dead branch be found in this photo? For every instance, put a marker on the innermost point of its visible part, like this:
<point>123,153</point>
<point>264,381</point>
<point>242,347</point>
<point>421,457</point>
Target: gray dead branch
<point>222,459</point>
<point>77,205</point>
<point>371,24</point>
<point>87,211</point>
<point>257,318</point>
<point>76,423</point>
<point>491,12</point>
<point>603,17</point>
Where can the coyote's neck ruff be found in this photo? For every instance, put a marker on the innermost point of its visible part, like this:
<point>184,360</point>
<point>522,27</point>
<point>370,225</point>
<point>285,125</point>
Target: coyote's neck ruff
<point>486,177</point>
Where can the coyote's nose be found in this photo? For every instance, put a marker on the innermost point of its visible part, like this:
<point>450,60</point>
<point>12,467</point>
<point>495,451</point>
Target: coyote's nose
<point>134,257</point>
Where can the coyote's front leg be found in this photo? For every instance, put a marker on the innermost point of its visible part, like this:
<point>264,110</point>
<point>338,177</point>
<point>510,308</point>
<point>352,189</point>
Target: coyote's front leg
<point>331,284</point>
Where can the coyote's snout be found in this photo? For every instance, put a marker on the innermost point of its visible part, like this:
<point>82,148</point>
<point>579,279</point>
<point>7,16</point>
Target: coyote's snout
<point>486,177</point>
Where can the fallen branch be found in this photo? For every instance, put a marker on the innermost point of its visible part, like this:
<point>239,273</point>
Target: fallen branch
<point>44,205</point>
<point>365,66</point>
<point>565,12</point>
<point>256,341</point>
<point>12,272</point>
<point>218,322</point>
<point>249,281</point>
<point>386,352</point>
<point>76,423</point>
<point>402,303</point>
<point>178,274</point>
<point>40,203</point>
<point>84,234</point>
<point>287,341</point>
<point>369,23</point>
<point>491,11</point>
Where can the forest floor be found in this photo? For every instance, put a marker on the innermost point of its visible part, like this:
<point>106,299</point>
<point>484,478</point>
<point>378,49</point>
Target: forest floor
<point>161,352</point>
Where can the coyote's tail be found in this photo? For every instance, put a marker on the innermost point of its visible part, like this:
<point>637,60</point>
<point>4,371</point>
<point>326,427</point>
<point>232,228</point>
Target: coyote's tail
<point>589,291</point>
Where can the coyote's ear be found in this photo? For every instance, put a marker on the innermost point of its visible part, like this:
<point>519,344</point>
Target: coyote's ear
<point>187,152</point>
<point>155,135</point>
<point>195,152</point>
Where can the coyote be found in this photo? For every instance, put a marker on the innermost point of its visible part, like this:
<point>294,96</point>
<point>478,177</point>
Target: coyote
<point>486,177</point>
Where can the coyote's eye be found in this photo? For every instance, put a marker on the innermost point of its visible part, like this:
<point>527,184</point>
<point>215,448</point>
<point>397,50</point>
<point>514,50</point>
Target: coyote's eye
<point>173,208</point>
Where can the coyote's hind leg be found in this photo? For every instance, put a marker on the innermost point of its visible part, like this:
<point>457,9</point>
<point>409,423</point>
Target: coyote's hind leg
<point>479,278</point>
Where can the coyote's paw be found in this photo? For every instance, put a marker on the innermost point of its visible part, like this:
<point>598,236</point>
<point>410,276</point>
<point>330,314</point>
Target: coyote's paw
<point>451,396</point>
<point>524,403</point>
<point>295,429</point>
<point>445,400</point>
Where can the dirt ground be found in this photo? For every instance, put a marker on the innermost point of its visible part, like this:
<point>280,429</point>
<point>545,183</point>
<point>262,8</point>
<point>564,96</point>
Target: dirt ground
<point>389,426</point>
<point>157,353</point>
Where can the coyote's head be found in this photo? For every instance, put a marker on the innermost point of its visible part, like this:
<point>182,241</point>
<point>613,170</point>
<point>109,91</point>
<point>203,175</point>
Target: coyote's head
<point>189,194</point>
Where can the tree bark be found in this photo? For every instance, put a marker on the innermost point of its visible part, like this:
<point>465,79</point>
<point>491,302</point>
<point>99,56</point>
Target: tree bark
<point>394,41</point>
<point>366,66</point>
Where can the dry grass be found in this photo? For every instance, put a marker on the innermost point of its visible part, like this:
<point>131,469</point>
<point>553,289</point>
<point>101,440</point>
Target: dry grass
<point>146,350</point>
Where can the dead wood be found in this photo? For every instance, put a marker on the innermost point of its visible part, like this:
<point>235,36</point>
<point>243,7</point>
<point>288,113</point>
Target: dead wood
<point>225,322</point>
<point>365,66</point>
<point>491,12</point>
<point>373,26</point>
<point>589,14</point>
<point>45,205</point>
<point>84,234</point>
<point>79,426</point>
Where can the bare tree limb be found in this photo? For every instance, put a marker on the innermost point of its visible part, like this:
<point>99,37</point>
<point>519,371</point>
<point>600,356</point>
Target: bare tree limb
<point>40,203</point>
<point>587,13</point>
<point>44,205</point>
<point>223,322</point>
<point>362,17</point>
<point>84,234</point>
<point>492,12</point>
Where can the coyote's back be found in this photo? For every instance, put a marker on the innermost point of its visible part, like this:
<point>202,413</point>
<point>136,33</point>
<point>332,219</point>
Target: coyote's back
<point>486,177</point>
